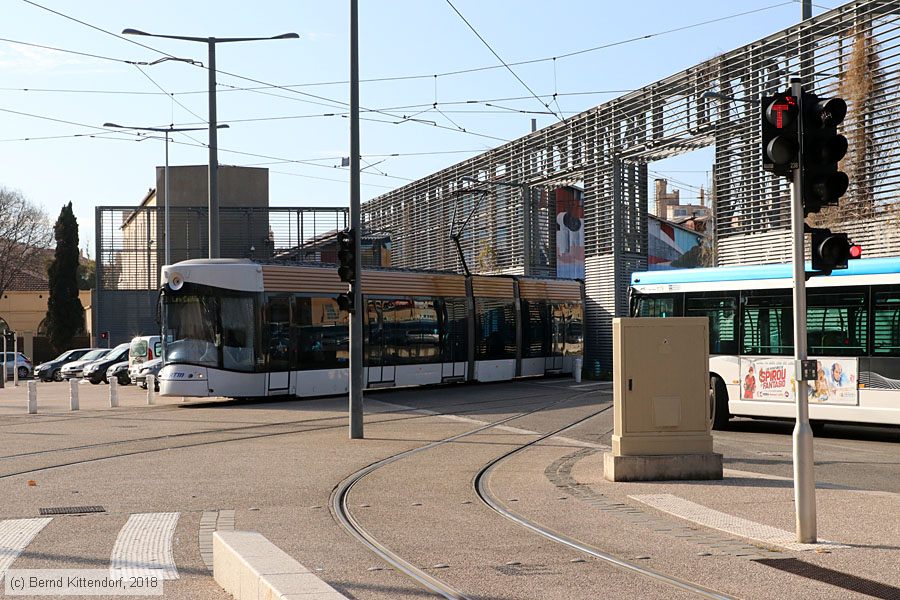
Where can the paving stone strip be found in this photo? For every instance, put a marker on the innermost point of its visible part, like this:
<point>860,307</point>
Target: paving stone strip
<point>145,543</point>
<point>211,521</point>
<point>560,474</point>
<point>15,535</point>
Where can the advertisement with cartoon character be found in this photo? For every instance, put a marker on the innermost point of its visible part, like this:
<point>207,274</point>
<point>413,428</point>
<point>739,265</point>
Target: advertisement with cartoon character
<point>772,380</point>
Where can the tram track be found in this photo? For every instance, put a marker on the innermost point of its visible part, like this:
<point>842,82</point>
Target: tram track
<point>480,483</point>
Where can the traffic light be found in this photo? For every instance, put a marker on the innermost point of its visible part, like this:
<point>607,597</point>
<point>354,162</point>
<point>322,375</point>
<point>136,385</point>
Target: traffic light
<point>821,150</point>
<point>781,134</point>
<point>104,335</point>
<point>347,255</point>
<point>831,251</point>
<point>345,302</point>
<point>10,337</point>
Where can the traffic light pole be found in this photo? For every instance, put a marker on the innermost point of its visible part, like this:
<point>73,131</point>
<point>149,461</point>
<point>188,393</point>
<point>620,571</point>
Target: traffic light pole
<point>804,479</point>
<point>356,317</point>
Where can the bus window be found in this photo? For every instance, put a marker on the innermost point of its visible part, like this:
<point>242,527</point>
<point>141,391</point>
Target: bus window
<point>721,310</point>
<point>886,321</point>
<point>657,306</point>
<point>768,323</point>
<point>836,323</point>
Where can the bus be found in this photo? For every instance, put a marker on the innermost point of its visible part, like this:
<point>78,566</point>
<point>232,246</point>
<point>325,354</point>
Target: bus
<point>238,328</point>
<point>853,331</point>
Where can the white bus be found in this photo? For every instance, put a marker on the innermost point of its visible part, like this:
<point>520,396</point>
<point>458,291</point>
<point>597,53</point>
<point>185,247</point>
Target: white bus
<point>237,328</point>
<point>853,325</point>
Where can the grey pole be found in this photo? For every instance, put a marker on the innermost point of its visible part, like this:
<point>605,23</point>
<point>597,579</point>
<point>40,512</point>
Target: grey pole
<point>213,157</point>
<point>805,9</point>
<point>3,379</point>
<point>168,225</point>
<point>16,359</point>
<point>804,478</point>
<point>356,350</point>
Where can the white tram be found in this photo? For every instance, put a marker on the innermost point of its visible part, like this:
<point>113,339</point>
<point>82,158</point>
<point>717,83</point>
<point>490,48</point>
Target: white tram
<point>237,328</point>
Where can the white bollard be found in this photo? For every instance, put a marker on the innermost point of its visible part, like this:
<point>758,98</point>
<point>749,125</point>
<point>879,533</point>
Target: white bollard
<point>32,397</point>
<point>579,363</point>
<point>113,392</point>
<point>73,394</point>
<point>151,389</point>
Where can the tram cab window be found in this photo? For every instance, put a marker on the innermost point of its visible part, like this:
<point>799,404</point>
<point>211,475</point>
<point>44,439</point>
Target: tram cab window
<point>721,310</point>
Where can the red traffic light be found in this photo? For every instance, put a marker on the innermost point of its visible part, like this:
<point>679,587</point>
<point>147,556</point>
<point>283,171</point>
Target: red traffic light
<point>104,335</point>
<point>782,112</point>
<point>855,251</point>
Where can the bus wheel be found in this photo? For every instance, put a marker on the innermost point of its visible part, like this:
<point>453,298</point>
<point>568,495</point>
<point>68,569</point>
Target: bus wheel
<point>718,403</point>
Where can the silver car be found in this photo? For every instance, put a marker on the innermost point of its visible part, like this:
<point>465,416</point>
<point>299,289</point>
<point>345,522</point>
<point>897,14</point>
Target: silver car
<point>19,363</point>
<point>74,369</point>
<point>138,373</point>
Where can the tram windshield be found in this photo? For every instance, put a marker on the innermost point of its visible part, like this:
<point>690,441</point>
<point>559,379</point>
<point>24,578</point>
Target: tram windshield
<point>210,329</point>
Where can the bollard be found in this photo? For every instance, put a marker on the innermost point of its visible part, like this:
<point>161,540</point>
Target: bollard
<point>32,397</point>
<point>151,389</point>
<point>579,362</point>
<point>73,394</point>
<point>113,392</point>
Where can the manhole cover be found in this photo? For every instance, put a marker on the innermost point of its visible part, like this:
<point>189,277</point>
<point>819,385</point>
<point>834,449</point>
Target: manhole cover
<point>72,510</point>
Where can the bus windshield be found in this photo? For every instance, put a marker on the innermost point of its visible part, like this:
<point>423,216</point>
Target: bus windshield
<point>210,329</point>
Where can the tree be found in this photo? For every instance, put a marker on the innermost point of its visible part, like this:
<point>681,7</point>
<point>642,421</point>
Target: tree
<point>24,231</point>
<point>65,315</point>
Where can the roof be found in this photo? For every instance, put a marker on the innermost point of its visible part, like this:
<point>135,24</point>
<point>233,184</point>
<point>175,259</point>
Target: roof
<point>866,266</point>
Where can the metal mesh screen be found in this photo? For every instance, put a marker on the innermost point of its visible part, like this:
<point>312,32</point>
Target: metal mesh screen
<point>851,51</point>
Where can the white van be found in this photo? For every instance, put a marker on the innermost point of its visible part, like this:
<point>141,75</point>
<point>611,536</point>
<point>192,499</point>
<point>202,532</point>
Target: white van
<point>144,348</point>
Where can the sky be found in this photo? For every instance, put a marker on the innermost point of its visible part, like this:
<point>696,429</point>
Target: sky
<point>65,71</point>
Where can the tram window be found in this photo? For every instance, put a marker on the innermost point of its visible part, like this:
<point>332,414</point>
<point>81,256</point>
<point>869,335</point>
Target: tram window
<point>495,329</point>
<point>276,338</point>
<point>721,310</point>
<point>570,316</point>
<point>372,338</point>
<point>453,317</point>
<point>886,321</point>
<point>410,331</point>
<point>238,333</point>
<point>836,322</point>
<point>535,328</point>
<point>319,331</point>
<point>768,323</point>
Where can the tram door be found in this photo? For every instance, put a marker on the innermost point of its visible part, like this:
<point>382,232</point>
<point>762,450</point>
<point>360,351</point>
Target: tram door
<point>379,346</point>
<point>277,344</point>
<point>554,361</point>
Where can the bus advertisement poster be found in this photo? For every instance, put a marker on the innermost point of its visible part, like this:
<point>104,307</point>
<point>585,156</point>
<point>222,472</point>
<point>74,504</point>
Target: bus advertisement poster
<point>772,380</point>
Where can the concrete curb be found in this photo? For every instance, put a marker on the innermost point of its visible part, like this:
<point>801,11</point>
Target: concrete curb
<point>250,567</point>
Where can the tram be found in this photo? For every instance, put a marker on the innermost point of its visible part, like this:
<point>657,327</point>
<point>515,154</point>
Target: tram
<point>238,328</point>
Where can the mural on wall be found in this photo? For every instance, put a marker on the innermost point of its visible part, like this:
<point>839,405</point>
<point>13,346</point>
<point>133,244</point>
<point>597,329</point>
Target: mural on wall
<point>672,247</point>
<point>569,233</point>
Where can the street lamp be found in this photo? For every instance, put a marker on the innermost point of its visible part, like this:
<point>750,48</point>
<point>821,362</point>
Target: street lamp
<point>213,147</point>
<point>166,131</point>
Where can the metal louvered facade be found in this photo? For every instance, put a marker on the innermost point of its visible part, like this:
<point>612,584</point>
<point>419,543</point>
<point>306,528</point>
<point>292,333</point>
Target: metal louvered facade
<point>852,51</point>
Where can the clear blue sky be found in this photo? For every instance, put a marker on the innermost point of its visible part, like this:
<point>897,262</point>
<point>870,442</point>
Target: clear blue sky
<point>398,38</point>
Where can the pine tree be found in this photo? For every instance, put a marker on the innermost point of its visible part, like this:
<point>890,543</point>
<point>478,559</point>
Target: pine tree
<point>65,314</point>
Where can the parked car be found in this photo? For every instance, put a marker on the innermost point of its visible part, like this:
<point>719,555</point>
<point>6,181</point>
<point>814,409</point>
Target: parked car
<point>52,369</point>
<point>139,372</point>
<point>21,363</point>
<point>119,372</point>
<point>96,371</point>
<point>74,369</point>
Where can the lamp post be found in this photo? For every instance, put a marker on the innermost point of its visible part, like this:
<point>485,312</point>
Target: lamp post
<point>166,131</point>
<point>213,145</point>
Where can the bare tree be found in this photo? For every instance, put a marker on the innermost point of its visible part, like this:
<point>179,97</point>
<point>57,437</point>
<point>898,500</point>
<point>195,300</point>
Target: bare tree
<point>24,231</point>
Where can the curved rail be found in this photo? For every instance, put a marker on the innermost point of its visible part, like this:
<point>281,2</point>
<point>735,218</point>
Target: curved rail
<point>480,484</point>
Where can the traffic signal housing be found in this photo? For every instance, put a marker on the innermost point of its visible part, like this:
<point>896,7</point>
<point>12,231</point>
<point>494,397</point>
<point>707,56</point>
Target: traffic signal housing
<point>821,150</point>
<point>345,303</point>
<point>347,255</point>
<point>781,134</point>
<point>831,251</point>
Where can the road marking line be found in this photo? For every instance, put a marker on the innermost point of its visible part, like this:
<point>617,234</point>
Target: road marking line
<point>507,428</point>
<point>145,543</point>
<point>745,528</point>
<point>15,535</point>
